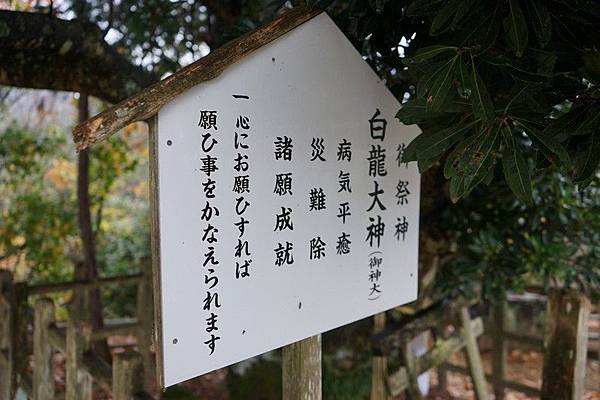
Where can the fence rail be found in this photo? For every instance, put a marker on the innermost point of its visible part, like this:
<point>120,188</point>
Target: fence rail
<point>127,377</point>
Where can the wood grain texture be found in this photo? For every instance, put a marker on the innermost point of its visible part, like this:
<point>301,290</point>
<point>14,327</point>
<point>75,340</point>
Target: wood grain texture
<point>127,376</point>
<point>148,102</point>
<point>565,345</point>
<point>145,319</point>
<point>301,365</point>
<point>6,350</point>
<point>379,372</point>
<point>78,385</point>
<point>43,376</point>
<point>499,352</point>
<point>155,246</point>
<point>473,357</point>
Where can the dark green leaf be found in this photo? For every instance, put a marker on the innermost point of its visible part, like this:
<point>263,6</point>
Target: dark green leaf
<point>515,28</point>
<point>480,154</point>
<point>410,152</point>
<point>541,21</point>
<point>548,145</point>
<point>462,10</point>
<point>440,87</point>
<point>427,53</point>
<point>425,164</point>
<point>415,111</point>
<point>568,123</point>
<point>516,169</point>
<point>443,18</point>
<point>587,165</point>
<point>517,71</point>
<point>423,7</point>
<point>462,77</point>
<point>451,166</point>
<point>457,188</point>
<point>485,33</point>
<point>433,146</point>
<point>483,107</point>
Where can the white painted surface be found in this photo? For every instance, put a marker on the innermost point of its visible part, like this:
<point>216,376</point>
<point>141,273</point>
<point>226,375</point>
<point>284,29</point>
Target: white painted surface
<point>309,83</point>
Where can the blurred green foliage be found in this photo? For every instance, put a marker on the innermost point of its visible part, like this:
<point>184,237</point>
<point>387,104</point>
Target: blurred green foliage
<point>504,243</point>
<point>39,234</point>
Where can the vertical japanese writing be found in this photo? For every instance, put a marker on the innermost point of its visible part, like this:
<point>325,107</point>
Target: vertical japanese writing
<point>241,185</point>
<point>282,151</point>
<point>376,226</point>
<point>344,155</point>
<point>209,214</point>
<point>402,195</point>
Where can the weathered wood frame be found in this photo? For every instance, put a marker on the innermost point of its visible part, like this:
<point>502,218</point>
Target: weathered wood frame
<point>146,104</point>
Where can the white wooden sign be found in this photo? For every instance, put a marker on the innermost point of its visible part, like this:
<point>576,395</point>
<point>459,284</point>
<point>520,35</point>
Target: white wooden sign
<point>284,208</point>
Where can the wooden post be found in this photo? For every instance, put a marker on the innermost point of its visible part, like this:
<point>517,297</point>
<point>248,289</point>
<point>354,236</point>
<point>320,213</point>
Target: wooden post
<point>145,317</point>
<point>565,345</point>
<point>442,370</point>
<point>301,375</point>
<point>412,373</point>
<point>442,373</point>
<point>79,381</point>
<point>155,245</point>
<point>6,332</point>
<point>43,376</point>
<point>379,375</point>
<point>473,356</point>
<point>127,376</point>
<point>499,349</point>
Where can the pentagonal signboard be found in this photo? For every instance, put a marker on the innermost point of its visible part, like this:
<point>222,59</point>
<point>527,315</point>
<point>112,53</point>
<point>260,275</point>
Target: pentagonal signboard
<point>284,208</point>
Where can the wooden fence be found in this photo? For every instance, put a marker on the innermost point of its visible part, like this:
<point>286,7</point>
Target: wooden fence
<point>454,330</point>
<point>32,332</point>
<point>564,344</point>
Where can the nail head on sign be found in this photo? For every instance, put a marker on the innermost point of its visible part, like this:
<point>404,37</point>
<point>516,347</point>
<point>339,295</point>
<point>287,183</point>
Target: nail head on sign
<point>175,341</point>
<point>169,142</point>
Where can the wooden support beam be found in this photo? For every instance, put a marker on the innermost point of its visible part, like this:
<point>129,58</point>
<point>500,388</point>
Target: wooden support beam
<point>145,316</point>
<point>379,374</point>
<point>155,245</point>
<point>78,379</point>
<point>43,376</point>
<point>6,332</point>
<point>473,356</point>
<point>565,345</point>
<point>301,375</point>
<point>81,285</point>
<point>499,349</point>
<point>117,329</point>
<point>127,376</point>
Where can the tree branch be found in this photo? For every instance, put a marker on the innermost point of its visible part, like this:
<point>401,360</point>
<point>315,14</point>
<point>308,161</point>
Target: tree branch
<point>43,52</point>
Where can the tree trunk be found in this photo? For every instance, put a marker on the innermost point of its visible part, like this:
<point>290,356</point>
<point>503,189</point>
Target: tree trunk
<point>88,307</point>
